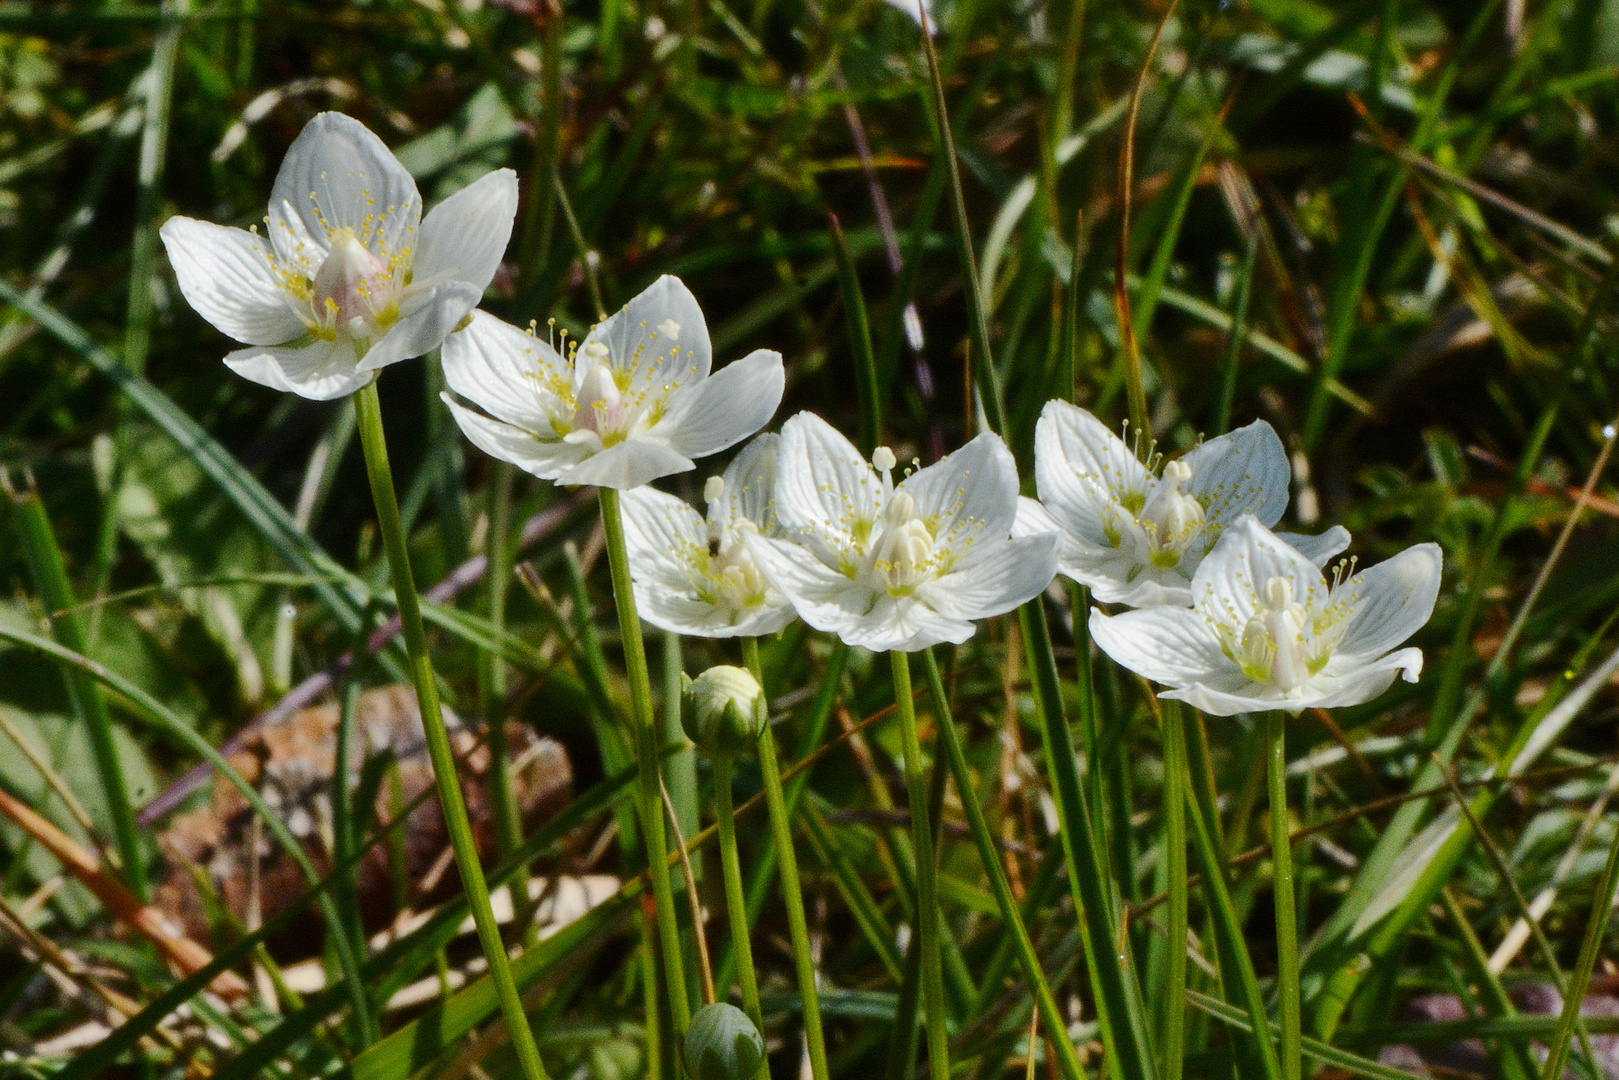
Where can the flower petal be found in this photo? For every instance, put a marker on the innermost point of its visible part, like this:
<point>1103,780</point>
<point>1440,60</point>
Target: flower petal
<point>546,460</point>
<point>337,174</point>
<point>969,493</point>
<point>730,405</point>
<point>1364,682</point>
<point>319,370</point>
<point>464,237</point>
<point>1318,549</point>
<point>1019,570</point>
<point>434,317</point>
<point>638,338</point>
<point>1072,446</point>
<point>504,370</point>
<point>225,274</point>
<point>1389,602</point>
<point>822,597</point>
<point>1242,472</point>
<point>630,464</point>
<point>750,484</point>
<point>1032,519</point>
<point>825,490</point>
<point>1226,587</point>
<point>1170,645</point>
<point>906,624</point>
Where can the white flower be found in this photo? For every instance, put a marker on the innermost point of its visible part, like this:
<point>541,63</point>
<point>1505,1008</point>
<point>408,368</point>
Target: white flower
<point>1267,631</point>
<point>900,567</point>
<point>633,402</point>
<point>350,277</point>
<point>1136,535</point>
<point>694,575</point>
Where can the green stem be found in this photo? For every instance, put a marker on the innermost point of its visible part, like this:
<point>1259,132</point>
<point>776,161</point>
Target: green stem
<point>368,415</point>
<point>1175,795</point>
<point>49,572</point>
<point>1050,1015</point>
<point>1601,908</point>
<point>927,886</point>
<point>1287,929</point>
<point>736,904</point>
<point>792,893</point>
<point>650,789</point>
<point>508,816</point>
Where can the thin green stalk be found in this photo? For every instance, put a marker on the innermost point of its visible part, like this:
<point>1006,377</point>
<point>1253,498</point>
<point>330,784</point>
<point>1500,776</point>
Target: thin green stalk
<point>1595,929</point>
<point>680,787</point>
<point>854,313</point>
<point>792,893</point>
<point>156,96</point>
<point>1287,928</point>
<point>1173,1042</point>
<point>1050,1015</point>
<point>736,905</point>
<point>344,837</point>
<point>650,790</point>
<point>492,688</point>
<point>927,885</point>
<point>1237,334</point>
<point>56,592</point>
<point>368,416</point>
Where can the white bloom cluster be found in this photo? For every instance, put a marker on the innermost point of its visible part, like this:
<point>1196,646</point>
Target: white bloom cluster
<point>350,277</point>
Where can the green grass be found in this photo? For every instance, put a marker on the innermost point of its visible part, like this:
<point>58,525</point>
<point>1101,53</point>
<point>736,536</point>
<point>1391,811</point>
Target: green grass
<point>1383,227</point>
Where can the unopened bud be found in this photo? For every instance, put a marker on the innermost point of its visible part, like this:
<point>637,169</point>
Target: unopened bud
<point>720,711</point>
<point>722,1043</point>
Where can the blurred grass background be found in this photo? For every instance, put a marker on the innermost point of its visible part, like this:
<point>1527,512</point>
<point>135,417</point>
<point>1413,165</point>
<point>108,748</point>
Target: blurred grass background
<point>1405,209</point>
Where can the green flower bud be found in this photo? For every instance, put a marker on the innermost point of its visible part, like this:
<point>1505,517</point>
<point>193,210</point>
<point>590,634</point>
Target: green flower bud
<point>722,1043</point>
<point>720,711</point>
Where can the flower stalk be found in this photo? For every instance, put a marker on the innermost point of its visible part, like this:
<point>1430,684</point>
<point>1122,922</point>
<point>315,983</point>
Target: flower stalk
<point>1287,930</point>
<point>792,892</point>
<point>736,903</point>
<point>927,885</point>
<point>368,414</point>
<point>650,786</point>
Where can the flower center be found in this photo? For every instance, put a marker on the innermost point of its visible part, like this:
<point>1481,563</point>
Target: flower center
<point>353,290</point>
<point>731,574</point>
<point>1171,518</point>
<point>1272,649</point>
<point>601,408</point>
<point>903,557</point>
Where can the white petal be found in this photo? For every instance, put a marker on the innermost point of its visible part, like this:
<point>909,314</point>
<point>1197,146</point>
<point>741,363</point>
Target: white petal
<point>1016,572</point>
<point>1242,472</point>
<point>823,597</point>
<point>730,405</point>
<point>337,174</point>
<point>630,464</point>
<point>1151,587</point>
<point>1389,602</point>
<point>1318,549</point>
<point>464,237</point>
<point>320,370</point>
<point>662,535</point>
<point>504,370</point>
<point>637,336</point>
<point>1248,698</point>
<point>546,460</point>
<point>432,319</point>
<point>824,487</point>
<point>1080,469</point>
<point>694,618</point>
<point>1226,587</point>
<point>225,274</point>
<point>1363,683</point>
<point>906,624</point>
<point>750,483</point>
<point>1169,645</point>
<point>1032,519</point>
<point>969,495</point>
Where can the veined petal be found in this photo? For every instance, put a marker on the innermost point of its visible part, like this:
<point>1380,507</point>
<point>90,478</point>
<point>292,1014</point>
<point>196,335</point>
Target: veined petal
<point>1019,570</point>
<point>1032,519</point>
<point>1242,472</point>
<point>1389,602</point>
<point>1080,468</point>
<point>1226,587</point>
<point>464,237</point>
<point>1150,587</point>
<point>319,370</point>
<point>337,174</point>
<point>659,337</point>
<point>729,405</point>
<point>662,534</point>
<point>424,329</point>
<point>1365,681</point>
<point>966,494</point>
<point>546,460</point>
<point>630,464</point>
<point>1169,645</point>
<point>824,487</point>
<point>226,275</point>
<point>1245,698</point>
<point>505,370</point>
<point>1319,549</point>
<point>750,483</point>
<point>822,597</point>
<point>906,624</point>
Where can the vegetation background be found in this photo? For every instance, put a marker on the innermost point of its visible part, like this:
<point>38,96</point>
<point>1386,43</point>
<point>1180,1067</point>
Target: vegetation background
<point>1385,226</point>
